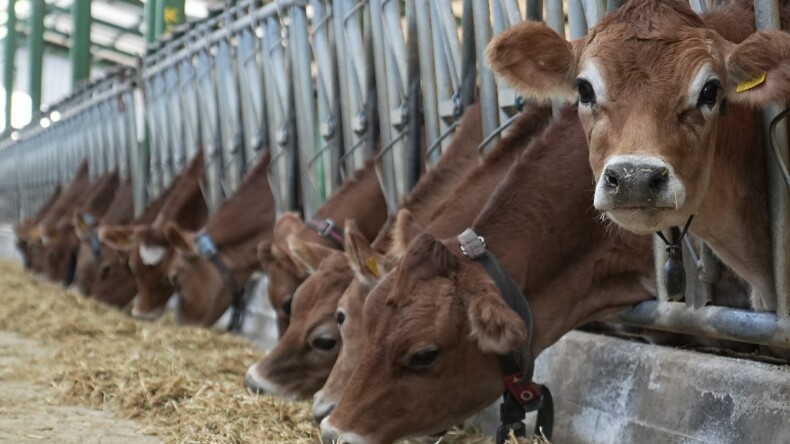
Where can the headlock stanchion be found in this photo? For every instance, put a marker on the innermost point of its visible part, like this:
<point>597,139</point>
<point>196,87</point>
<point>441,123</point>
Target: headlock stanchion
<point>325,85</point>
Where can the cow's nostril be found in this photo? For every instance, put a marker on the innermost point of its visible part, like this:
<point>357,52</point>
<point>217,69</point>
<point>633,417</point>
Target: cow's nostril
<point>658,179</point>
<point>611,179</point>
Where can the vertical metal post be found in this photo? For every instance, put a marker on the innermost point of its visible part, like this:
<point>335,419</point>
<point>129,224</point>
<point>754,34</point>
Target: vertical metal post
<point>418,14</point>
<point>80,52</point>
<point>299,51</point>
<point>468,56</point>
<point>766,14</point>
<point>488,95</point>
<point>9,57</point>
<point>150,21</point>
<point>169,13</point>
<point>35,44</point>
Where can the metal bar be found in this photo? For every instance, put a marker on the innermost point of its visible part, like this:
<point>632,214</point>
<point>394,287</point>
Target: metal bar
<point>35,43</point>
<point>715,322</point>
<point>9,59</point>
<point>413,155</point>
<point>488,94</point>
<point>576,19</point>
<point>421,25</point>
<point>767,17</point>
<point>468,56</point>
<point>555,17</point>
<point>80,54</point>
<point>150,21</point>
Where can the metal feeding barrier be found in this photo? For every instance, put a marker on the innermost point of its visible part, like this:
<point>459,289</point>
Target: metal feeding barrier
<point>325,85</point>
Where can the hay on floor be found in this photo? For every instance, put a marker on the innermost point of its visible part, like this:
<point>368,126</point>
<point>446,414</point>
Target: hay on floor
<point>182,384</point>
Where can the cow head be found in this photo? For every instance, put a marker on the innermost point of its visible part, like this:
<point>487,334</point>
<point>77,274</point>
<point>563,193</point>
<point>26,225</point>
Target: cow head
<point>149,259</point>
<point>368,268</point>
<point>60,246</point>
<point>203,293</point>
<point>429,318</point>
<point>302,359</point>
<point>114,283</point>
<point>651,83</point>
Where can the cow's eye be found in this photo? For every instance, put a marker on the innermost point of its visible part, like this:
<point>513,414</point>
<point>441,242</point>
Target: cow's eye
<point>324,344</point>
<point>709,93</point>
<point>586,92</point>
<point>423,359</point>
<point>287,306</point>
<point>340,317</point>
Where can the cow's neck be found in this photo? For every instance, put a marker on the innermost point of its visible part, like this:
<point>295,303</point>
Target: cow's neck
<point>359,198</point>
<point>542,227</point>
<point>733,219</point>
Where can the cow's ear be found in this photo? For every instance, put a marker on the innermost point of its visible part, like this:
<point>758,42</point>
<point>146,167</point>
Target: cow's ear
<point>758,69</point>
<point>497,328</point>
<point>536,61</point>
<point>182,241</point>
<point>307,255</point>
<point>287,224</point>
<point>369,267</point>
<point>119,238</point>
<point>405,231</point>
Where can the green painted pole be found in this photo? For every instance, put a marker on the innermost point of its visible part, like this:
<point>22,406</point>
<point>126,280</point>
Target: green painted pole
<point>35,44</point>
<point>150,21</point>
<point>169,13</point>
<point>9,56</point>
<point>80,52</point>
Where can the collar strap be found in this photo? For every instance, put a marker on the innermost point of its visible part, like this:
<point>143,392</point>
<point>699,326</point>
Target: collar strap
<point>674,274</point>
<point>95,245</point>
<point>474,247</point>
<point>88,219</point>
<point>522,394</point>
<point>328,229</point>
<point>93,240</point>
<point>208,249</point>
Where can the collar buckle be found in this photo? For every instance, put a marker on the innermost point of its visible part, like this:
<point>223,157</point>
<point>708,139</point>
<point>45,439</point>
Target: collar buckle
<point>330,227</point>
<point>472,245</point>
<point>205,246</point>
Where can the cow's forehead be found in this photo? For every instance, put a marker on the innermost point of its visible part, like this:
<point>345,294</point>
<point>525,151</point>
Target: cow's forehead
<point>634,66</point>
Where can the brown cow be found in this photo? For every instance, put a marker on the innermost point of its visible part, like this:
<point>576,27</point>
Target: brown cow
<point>359,198</point>
<point>57,236</point>
<point>235,229</point>
<point>25,229</point>
<point>84,221</point>
<point>115,283</point>
<point>456,212</point>
<point>437,322</point>
<point>149,252</point>
<point>652,80</point>
<point>322,290</point>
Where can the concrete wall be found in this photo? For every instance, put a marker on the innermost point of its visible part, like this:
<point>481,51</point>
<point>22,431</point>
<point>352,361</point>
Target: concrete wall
<point>608,390</point>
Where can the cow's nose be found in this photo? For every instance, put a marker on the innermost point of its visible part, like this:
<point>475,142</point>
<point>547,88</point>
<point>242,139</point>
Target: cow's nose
<point>635,176</point>
<point>321,408</point>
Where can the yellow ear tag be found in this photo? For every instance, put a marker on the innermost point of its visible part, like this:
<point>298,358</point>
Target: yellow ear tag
<point>754,81</point>
<point>373,265</point>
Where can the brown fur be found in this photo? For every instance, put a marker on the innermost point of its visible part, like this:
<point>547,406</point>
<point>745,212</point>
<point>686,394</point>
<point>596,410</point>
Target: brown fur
<point>648,52</point>
<point>457,211</point>
<point>541,227</point>
<point>359,198</point>
<point>24,230</point>
<point>237,227</point>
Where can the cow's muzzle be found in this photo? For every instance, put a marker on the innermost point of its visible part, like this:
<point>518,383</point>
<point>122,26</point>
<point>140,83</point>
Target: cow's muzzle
<point>638,182</point>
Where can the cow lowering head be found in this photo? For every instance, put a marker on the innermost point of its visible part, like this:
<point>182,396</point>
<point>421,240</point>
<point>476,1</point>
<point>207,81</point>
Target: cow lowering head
<point>149,259</point>
<point>651,80</point>
<point>203,293</point>
<point>114,283</point>
<point>304,356</point>
<point>369,267</point>
<point>60,244</point>
<point>452,322</point>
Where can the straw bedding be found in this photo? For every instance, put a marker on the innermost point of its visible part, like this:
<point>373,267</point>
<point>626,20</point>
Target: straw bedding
<point>182,384</point>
